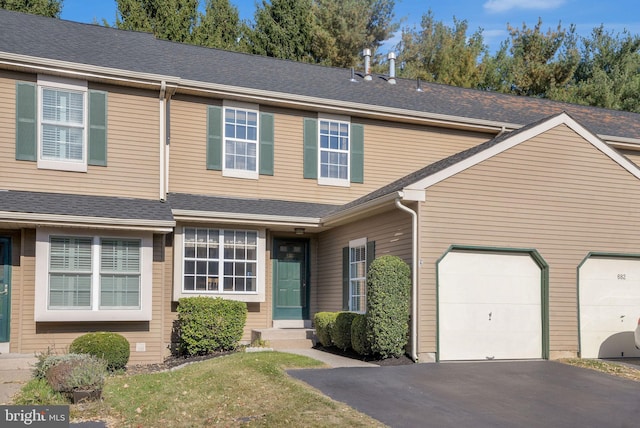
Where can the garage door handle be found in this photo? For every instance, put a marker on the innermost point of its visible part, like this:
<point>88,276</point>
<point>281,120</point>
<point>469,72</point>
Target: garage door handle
<point>6,290</point>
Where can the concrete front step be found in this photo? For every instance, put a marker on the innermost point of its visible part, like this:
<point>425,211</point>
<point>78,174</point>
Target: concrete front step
<point>285,338</point>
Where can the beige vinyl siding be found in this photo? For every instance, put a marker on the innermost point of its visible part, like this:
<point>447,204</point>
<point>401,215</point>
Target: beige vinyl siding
<point>555,193</point>
<point>632,155</point>
<point>391,232</point>
<point>133,153</point>
<point>391,151</point>
<point>27,336</point>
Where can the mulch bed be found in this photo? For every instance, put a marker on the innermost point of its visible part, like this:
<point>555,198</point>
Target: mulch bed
<point>176,361</point>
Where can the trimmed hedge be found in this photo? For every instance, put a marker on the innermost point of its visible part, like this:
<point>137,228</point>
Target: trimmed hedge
<point>111,347</point>
<point>388,290</point>
<point>359,341</point>
<point>341,331</point>
<point>207,324</point>
<point>324,322</point>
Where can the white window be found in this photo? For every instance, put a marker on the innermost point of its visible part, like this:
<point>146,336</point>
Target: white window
<point>334,152</point>
<point>92,278</point>
<point>240,142</point>
<point>358,275</point>
<point>62,124</point>
<point>220,262</point>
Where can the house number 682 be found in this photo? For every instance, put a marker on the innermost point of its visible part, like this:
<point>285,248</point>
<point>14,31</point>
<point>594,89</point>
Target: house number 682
<point>622,276</point>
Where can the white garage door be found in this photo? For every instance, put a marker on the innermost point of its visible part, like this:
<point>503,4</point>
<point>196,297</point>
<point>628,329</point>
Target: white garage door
<point>489,306</point>
<point>609,307</point>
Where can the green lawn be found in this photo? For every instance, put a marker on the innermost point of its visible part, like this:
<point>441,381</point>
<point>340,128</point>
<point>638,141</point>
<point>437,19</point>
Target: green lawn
<point>242,389</point>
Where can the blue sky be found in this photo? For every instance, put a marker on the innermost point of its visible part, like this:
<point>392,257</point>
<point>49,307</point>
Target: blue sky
<point>490,15</point>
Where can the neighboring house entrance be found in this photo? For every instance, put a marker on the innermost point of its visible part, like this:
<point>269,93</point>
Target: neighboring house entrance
<point>5,289</point>
<point>609,293</point>
<point>290,279</point>
<point>490,306</point>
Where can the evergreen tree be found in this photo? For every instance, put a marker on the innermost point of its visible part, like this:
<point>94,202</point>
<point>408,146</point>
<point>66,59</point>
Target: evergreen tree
<point>50,8</point>
<point>167,19</point>
<point>219,27</point>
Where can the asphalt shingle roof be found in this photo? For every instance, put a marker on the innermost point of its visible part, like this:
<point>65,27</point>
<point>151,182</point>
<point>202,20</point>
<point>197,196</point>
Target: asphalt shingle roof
<point>84,205</point>
<point>140,52</point>
<point>182,201</point>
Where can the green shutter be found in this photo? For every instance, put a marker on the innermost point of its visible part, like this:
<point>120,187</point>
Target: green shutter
<point>26,121</point>
<point>266,144</point>
<point>310,148</point>
<point>357,153</point>
<point>371,253</point>
<point>214,138</point>
<point>345,279</point>
<point>97,128</point>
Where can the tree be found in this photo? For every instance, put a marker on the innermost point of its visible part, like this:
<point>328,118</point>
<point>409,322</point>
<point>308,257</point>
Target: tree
<point>438,53</point>
<point>50,8</point>
<point>284,29</point>
<point>346,27</point>
<point>539,63</point>
<point>219,27</point>
<point>166,19</point>
<point>608,74</point>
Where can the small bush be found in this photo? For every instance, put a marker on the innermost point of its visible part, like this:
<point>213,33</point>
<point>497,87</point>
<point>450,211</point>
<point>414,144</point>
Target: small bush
<point>341,331</point>
<point>80,372</point>
<point>359,341</point>
<point>207,325</point>
<point>323,322</point>
<point>388,289</point>
<point>111,347</point>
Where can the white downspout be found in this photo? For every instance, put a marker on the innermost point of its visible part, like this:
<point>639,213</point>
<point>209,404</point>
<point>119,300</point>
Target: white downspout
<point>414,278</point>
<point>163,130</point>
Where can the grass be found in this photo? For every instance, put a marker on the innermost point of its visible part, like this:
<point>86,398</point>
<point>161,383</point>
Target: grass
<point>242,389</point>
<point>611,368</point>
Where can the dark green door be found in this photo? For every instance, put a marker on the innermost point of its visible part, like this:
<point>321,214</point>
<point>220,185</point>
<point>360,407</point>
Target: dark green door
<point>290,280</point>
<point>5,288</point>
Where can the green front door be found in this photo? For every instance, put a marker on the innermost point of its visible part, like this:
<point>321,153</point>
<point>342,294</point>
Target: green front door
<point>290,279</point>
<point>5,288</point>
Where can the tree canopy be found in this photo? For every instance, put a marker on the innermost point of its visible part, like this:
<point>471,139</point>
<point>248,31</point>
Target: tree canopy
<point>50,8</point>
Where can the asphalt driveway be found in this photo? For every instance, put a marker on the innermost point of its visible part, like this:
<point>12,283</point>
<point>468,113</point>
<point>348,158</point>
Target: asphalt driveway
<point>485,394</point>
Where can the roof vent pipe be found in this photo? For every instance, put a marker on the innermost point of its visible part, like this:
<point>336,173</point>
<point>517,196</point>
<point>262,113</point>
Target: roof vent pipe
<point>419,86</point>
<point>367,64</point>
<point>353,75</point>
<point>392,67</point>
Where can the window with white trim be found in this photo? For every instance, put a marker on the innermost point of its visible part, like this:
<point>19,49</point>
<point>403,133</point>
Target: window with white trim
<point>93,278</point>
<point>220,261</point>
<point>241,142</point>
<point>62,124</point>
<point>334,151</point>
<point>358,275</point>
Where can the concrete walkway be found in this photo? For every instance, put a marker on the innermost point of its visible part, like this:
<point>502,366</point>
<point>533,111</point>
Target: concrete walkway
<point>15,371</point>
<point>332,360</point>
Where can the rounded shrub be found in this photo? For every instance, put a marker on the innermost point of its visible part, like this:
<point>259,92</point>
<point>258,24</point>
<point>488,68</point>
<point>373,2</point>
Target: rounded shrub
<point>112,347</point>
<point>341,331</point>
<point>388,290</point>
<point>359,341</point>
<point>207,325</point>
<point>323,322</point>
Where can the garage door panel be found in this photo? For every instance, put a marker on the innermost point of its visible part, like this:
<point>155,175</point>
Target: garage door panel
<point>489,306</point>
<point>609,307</point>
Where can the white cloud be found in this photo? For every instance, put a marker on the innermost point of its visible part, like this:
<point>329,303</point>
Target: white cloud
<point>497,6</point>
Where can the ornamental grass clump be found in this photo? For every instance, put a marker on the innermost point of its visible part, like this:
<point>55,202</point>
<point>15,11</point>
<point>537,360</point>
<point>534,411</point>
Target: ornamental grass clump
<point>75,372</point>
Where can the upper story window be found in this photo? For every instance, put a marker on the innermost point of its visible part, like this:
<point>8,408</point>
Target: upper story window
<point>333,150</point>
<point>61,124</point>
<point>241,142</point>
